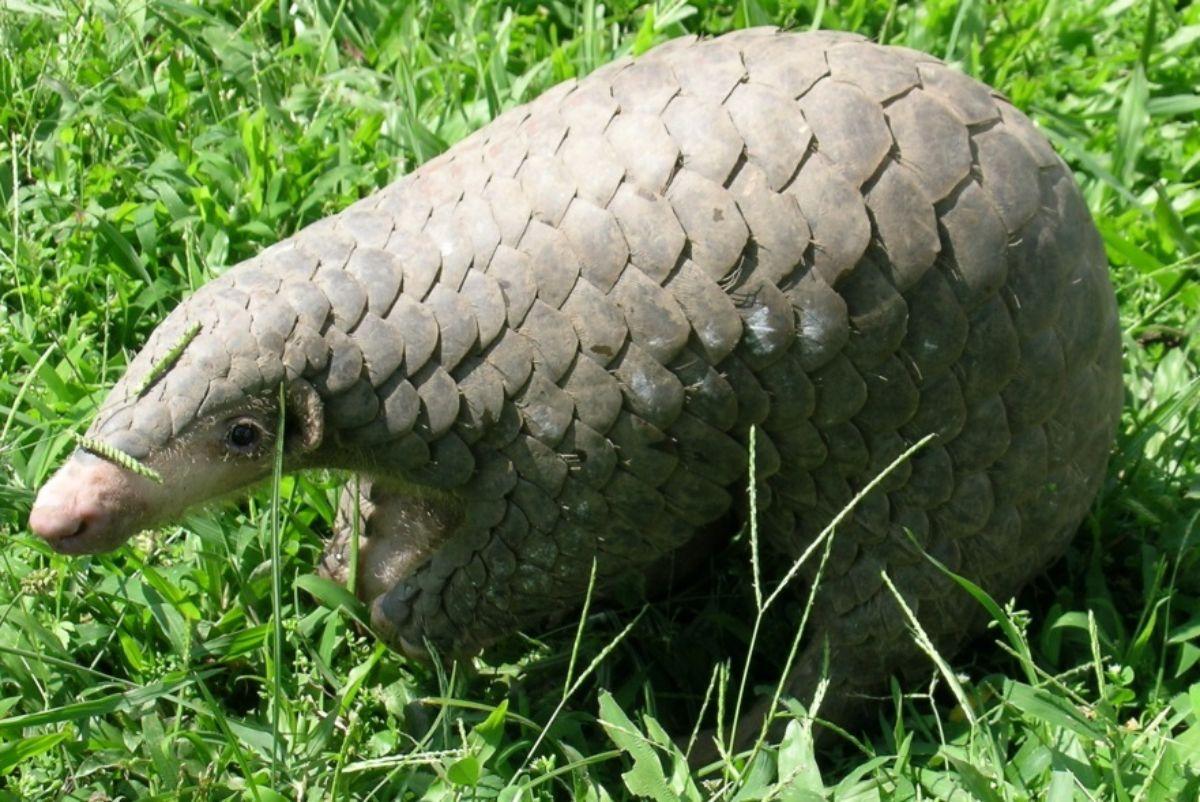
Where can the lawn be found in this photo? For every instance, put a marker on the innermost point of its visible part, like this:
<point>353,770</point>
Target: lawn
<point>149,145</point>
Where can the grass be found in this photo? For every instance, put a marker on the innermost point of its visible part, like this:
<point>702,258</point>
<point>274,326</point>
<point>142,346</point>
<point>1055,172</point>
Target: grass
<point>147,145</point>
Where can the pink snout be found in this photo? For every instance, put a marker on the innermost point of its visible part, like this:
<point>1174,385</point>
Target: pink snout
<point>79,509</point>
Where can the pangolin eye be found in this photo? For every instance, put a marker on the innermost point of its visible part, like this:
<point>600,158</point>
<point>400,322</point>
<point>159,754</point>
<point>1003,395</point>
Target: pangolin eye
<point>243,437</point>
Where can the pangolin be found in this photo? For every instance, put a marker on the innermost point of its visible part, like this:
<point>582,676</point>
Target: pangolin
<point>547,349</point>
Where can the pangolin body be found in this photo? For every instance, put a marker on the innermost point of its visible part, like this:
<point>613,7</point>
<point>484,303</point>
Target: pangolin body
<point>555,338</point>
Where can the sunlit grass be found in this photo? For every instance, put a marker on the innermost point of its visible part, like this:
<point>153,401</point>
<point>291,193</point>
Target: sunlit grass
<point>146,146</point>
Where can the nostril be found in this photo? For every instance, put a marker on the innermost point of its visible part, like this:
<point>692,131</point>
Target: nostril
<point>84,523</point>
<point>89,520</point>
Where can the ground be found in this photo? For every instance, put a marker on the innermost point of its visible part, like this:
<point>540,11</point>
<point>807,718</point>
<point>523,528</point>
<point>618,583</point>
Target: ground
<point>147,146</point>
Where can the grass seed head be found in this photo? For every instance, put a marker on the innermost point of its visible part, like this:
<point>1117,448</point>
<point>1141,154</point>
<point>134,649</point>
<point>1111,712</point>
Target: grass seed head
<point>169,358</point>
<point>117,457</point>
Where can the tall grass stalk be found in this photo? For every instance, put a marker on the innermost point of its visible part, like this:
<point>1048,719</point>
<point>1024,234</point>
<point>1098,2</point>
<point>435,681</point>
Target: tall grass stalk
<point>276,514</point>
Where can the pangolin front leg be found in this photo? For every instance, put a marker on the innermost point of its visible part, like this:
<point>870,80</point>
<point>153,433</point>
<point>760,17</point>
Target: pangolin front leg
<point>397,530</point>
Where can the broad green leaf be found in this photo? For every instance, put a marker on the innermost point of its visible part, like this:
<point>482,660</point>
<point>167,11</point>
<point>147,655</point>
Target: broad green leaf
<point>487,735</point>
<point>334,596</point>
<point>799,775</point>
<point>465,771</point>
<point>14,752</point>
<point>1053,710</point>
<point>646,778</point>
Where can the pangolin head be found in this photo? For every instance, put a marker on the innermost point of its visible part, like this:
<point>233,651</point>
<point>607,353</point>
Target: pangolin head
<point>196,416</point>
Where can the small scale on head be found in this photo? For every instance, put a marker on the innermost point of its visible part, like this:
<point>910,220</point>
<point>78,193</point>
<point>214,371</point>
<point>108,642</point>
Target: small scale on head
<point>193,420</point>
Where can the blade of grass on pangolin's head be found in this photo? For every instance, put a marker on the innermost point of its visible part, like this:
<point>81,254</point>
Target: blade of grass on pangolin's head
<point>117,457</point>
<point>163,365</point>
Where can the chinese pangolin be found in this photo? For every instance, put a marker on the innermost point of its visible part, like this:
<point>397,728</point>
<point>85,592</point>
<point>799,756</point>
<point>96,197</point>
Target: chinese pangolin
<point>547,348</point>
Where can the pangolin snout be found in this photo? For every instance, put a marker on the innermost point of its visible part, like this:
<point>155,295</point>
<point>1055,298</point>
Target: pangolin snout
<point>76,512</point>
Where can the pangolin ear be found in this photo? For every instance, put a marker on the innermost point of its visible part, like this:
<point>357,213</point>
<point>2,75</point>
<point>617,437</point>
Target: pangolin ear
<point>305,416</point>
